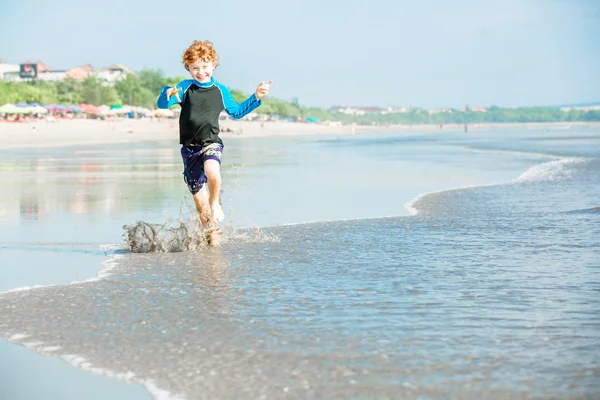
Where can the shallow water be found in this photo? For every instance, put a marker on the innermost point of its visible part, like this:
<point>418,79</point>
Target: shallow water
<point>490,291</point>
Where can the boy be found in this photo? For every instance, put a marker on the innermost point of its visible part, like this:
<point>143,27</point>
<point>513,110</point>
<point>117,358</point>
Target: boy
<point>202,99</point>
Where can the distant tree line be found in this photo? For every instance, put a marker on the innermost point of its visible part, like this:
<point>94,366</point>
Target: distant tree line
<point>493,115</point>
<point>143,89</point>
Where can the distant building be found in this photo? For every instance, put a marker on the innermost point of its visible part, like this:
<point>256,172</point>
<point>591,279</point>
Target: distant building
<point>473,109</point>
<point>356,110</point>
<point>438,111</point>
<point>116,72</point>
<point>7,71</point>
<point>77,73</point>
<point>52,75</point>
<point>393,110</point>
<point>44,73</point>
<point>582,108</point>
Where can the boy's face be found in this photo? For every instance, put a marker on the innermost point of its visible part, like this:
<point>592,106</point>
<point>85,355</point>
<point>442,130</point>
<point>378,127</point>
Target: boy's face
<point>202,70</point>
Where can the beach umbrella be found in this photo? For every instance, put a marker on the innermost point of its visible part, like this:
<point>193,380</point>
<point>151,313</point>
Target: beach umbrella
<point>142,110</point>
<point>92,110</point>
<point>35,104</point>
<point>73,108</point>
<point>22,104</point>
<point>124,110</point>
<point>89,109</point>
<point>8,109</point>
<point>115,106</point>
<point>13,109</point>
<point>163,113</point>
<point>38,110</point>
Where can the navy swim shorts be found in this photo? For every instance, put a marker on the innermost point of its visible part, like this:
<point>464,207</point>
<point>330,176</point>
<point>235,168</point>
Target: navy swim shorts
<point>193,164</point>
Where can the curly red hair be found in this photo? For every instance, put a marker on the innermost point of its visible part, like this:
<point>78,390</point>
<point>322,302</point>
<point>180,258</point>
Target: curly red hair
<point>200,50</point>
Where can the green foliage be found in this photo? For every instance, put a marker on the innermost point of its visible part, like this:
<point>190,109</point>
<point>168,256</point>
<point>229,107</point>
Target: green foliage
<point>282,108</point>
<point>27,92</point>
<point>317,113</point>
<point>238,95</point>
<point>94,92</point>
<point>173,81</point>
<point>132,91</point>
<point>68,91</point>
<point>153,80</point>
<point>143,91</point>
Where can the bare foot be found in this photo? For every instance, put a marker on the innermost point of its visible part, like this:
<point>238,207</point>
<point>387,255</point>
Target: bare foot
<point>214,237</point>
<point>217,212</point>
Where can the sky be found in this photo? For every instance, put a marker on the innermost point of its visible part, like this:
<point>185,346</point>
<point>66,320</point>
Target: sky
<point>419,53</point>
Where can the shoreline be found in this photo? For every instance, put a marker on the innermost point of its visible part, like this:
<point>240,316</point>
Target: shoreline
<point>66,133</point>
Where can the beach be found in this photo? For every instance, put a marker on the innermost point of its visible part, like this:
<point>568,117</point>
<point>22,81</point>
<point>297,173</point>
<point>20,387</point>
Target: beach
<point>357,262</point>
<point>40,133</point>
<point>90,131</point>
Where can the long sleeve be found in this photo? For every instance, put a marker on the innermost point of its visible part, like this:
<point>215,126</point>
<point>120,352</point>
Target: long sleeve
<point>163,102</point>
<point>234,109</point>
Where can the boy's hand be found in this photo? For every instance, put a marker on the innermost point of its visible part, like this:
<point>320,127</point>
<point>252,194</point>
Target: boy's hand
<point>172,92</point>
<point>262,89</point>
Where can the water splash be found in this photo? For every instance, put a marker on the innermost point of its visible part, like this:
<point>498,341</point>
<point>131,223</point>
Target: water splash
<point>186,235</point>
<point>145,237</point>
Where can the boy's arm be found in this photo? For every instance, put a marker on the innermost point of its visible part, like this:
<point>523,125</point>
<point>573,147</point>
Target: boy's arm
<point>166,101</point>
<point>234,109</point>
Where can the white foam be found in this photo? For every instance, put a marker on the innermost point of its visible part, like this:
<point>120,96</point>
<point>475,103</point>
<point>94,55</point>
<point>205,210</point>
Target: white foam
<point>105,271</point>
<point>32,345</point>
<point>108,266</point>
<point>23,288</point>
<point>410,206</point>
<point>552,171</point>
<point>129,376</point>
<point>160,394</point>
<point>17,337</point>
<point>50,349</point>
<point>85,365</point>
<point>549,171</point>
<point>518,153</point>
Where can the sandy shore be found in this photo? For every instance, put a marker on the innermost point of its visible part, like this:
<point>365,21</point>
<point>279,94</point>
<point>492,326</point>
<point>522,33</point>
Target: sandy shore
<point>88,132</point>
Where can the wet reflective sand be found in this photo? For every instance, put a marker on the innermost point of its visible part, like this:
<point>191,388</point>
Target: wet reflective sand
<point>489,293</point>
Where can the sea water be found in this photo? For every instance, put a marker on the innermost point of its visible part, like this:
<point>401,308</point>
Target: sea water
<point>374,266</point>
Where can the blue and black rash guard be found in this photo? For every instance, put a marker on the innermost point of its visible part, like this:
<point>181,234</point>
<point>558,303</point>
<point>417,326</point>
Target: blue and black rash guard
<point>201,104</point>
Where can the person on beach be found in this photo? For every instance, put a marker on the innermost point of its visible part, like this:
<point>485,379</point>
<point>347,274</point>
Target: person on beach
<point>202,100</point>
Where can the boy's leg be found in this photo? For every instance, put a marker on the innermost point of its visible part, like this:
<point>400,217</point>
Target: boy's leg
<point>195,179</point>
<point>213,234</point>
<point>202,206</point>
<point>212,169</point>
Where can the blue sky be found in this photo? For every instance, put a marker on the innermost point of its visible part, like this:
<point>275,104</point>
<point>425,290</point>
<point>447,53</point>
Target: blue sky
<point>334,52</point>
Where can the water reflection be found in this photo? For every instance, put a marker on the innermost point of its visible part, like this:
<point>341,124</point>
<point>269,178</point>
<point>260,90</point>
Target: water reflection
<point>84,181</point>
